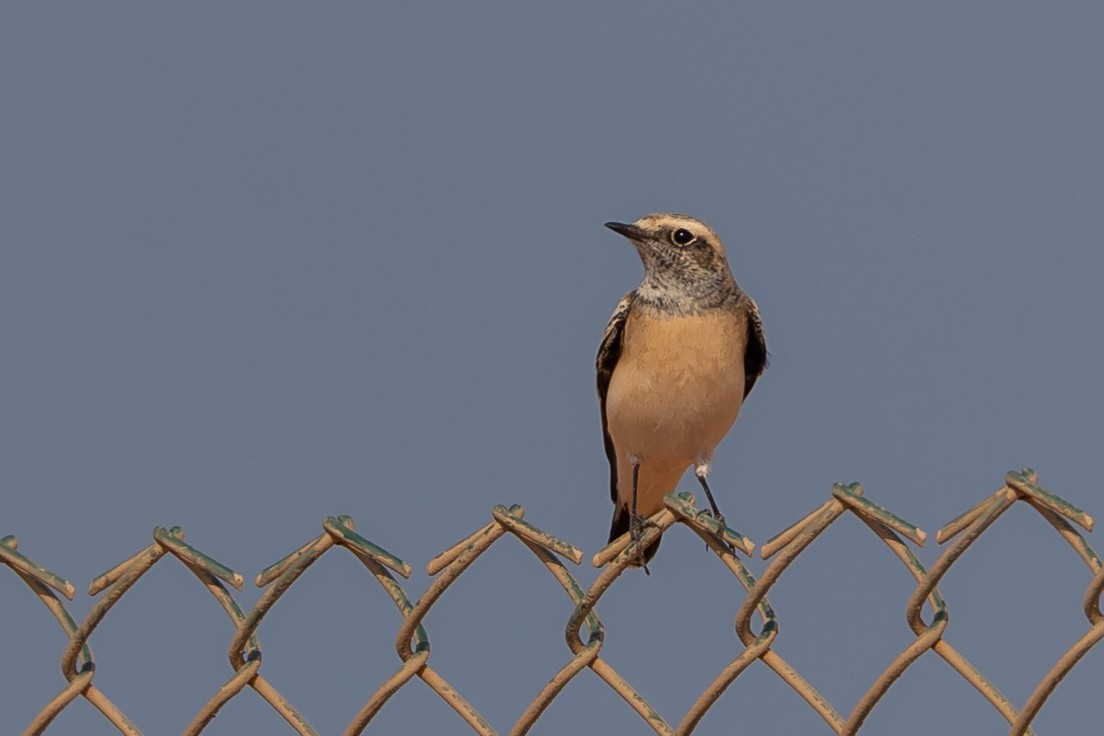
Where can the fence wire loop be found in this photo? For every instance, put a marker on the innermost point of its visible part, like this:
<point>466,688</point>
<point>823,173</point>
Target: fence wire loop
<point>584,632</point>
<point>26,568</point>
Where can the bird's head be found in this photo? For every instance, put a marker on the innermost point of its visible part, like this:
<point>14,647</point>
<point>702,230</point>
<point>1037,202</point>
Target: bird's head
<point>683,258</point>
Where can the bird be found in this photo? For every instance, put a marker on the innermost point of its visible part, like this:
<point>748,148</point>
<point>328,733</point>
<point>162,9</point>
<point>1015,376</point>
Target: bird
<point>678,357</point>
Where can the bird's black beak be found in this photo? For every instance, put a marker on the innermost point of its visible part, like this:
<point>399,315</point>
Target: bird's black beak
<point>632,232</point>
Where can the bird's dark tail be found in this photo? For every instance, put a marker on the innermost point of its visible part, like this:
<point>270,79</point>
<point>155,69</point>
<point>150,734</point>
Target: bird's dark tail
<point>620,525</point>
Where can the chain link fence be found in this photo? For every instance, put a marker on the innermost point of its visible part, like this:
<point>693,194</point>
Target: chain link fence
<point>584,630</point>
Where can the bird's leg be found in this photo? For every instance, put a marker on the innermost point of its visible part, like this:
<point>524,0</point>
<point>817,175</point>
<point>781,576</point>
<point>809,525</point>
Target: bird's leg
<point>700,471</point>
<point>636,521</point>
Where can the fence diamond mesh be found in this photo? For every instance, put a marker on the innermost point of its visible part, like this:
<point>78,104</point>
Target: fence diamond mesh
<point>756,622</point>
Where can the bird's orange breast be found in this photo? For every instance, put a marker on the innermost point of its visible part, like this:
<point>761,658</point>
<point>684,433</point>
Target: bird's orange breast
<point>677,386</point>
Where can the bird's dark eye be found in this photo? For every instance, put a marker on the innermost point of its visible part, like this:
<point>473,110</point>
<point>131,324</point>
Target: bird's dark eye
<point>682,236</point>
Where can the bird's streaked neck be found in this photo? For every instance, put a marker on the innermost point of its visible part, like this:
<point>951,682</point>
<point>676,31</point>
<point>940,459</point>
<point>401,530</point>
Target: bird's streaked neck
<point>676,296</point>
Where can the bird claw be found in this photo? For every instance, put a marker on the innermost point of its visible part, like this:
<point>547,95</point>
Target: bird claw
<point>637,525</point>
<point>720,533</point>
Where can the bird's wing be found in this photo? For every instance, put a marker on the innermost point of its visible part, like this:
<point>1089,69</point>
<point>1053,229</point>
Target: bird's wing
<point>755,355</point>
<point>608,354</point>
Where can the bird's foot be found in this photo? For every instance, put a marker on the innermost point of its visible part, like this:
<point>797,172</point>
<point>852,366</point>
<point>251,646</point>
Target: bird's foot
<point>637,525</point>
<point>720,533</point>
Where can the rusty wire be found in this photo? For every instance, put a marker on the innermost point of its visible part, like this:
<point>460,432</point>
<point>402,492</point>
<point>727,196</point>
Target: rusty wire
<point>584,631</point>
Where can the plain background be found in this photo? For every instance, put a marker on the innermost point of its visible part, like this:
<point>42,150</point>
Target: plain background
<point>261,263</point>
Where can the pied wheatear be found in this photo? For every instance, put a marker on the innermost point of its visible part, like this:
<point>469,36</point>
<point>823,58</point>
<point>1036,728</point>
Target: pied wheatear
<point>678,358</point>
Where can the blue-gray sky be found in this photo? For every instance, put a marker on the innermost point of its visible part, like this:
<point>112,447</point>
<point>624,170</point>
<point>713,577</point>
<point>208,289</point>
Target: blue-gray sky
<point>261,264</point>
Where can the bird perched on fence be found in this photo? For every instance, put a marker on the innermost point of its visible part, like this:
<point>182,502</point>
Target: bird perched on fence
<point>678,358</point>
